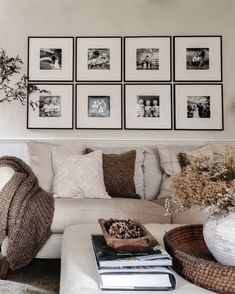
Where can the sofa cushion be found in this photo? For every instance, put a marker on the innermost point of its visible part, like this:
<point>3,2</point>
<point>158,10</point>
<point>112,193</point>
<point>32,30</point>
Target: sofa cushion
<point>40,156</point>
<point>187,217</point>
<point>190,216</point>
<point>119,171</point>
<point>83,211</point>
<point>6,173</point>
<point>170,162</point>
<point>152,173</point>
<point>51,249</point>
<point>79,176</point>
<point>223,149</point>
<point>139,176</point>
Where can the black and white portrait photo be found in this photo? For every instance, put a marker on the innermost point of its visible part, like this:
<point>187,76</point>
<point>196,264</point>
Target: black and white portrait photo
<point>147,59</point>
<point>99,106</point>
<point>49,106</point>
<point>197,58</point>
<point>198,107</point>
<point>99,58</point>
<point>50,59</point>
<point>148,106</point>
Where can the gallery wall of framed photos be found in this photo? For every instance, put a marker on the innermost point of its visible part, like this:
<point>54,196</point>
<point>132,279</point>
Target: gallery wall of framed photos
<point>130,83</point>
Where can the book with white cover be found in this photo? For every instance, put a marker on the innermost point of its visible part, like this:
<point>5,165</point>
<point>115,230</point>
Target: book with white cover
<point>138,279</point>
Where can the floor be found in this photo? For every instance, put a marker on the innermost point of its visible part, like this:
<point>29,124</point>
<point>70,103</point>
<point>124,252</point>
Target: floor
<point>40,277</point>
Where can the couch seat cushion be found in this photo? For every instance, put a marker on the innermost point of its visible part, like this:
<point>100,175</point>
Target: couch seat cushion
<point>72,211</point>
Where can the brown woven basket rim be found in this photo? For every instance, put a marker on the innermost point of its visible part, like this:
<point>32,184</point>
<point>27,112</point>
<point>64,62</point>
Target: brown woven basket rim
<point>186,255</point>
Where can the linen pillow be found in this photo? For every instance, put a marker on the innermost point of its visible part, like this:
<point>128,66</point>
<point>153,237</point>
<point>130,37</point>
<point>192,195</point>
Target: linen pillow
<point>78,176</point>
<point>171,166</point>
<point>139,175</point>
<point>40,156</point>
<point>119,171</point>
<point>221,150</point>
<point>152,173</point>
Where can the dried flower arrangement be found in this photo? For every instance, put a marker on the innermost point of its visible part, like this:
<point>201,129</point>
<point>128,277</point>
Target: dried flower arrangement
<point>205,183</point>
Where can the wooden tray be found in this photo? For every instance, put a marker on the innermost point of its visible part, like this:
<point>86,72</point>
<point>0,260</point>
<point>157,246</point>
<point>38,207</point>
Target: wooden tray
<point>131,245</point>
<point>193,260</point>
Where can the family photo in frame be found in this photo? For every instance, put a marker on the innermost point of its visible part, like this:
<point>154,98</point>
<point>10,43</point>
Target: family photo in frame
<point>148,106</point>
<point>99,59</point>
<point>51,59</point>
<point>198,107</point>
<point>147,58</point>
<point>55,107</point>
<point>198,58</point>
<point>99,106</point>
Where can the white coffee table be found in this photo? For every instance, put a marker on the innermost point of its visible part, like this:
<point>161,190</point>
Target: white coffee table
<point>78,270</point>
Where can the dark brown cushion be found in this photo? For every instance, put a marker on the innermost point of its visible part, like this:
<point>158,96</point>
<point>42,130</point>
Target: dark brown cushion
<point>119,171</point>
<point>183,160</point>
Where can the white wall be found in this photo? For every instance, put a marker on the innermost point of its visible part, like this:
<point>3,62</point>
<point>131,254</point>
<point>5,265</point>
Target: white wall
<point>22,18</point>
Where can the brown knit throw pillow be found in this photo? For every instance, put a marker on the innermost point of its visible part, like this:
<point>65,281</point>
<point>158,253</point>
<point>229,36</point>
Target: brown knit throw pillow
<point>119,170</point>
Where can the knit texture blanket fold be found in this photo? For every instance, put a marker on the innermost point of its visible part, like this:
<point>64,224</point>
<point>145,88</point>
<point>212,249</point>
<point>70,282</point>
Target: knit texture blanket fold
<point>26,213</point>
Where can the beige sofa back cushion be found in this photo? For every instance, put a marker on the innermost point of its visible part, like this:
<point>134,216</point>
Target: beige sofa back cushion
<point>41,160</point>
<point>152,173</point>
<point>170,163</point>
<point>222,149</point>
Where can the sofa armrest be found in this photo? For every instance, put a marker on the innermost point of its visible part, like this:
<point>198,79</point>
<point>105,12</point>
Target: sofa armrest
<point>6,173</point>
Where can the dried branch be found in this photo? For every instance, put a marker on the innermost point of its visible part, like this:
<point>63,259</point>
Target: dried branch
<point>9,92</point>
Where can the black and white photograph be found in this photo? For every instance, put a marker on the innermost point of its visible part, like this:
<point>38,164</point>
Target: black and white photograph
<point>50,59</point>
<point>99,58</point>
<point>148,106</point>
<point>198,106</point>
<point>99,106</point>
<point>147,58</point>
<point>53,107</point>
<point>50,106</point>
<point>197,58</point>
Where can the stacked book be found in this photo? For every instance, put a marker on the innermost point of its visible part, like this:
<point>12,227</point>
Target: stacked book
<point>132,271</point>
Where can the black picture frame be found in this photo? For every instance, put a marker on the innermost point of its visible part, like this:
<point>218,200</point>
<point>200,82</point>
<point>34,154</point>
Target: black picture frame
<point>98,85</point>
<point>49,80</point>
<point>148,85</point>
<point>141,80</point>
<point>199,79</point>
<point>100,80</point>
<point>200,85</point>
<point>44,87</point>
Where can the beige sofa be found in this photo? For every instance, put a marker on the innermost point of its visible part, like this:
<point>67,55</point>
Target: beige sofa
<point>149,209</point>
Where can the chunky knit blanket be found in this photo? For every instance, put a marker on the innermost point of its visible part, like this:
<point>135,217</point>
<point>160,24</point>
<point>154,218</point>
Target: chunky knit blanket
<point>26,213</point>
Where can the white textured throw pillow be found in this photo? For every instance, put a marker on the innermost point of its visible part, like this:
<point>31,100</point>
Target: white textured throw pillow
<point>79,176</point>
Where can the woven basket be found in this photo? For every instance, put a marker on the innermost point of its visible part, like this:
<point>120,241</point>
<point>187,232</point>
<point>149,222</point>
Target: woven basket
<point>193,260</point>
